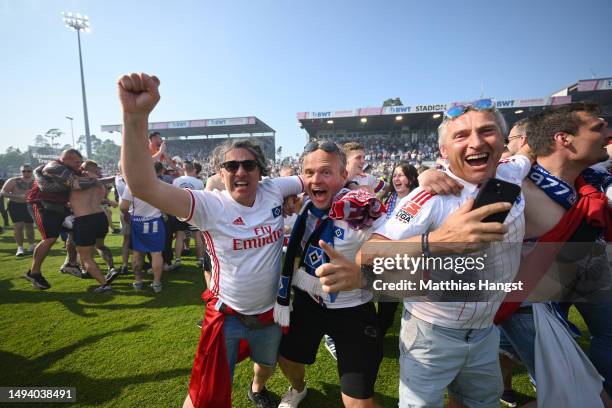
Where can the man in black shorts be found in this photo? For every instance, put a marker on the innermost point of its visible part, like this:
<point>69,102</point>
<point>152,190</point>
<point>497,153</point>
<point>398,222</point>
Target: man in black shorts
<point>15,189</point>
<point>49,198</point>
<point>91,226</point>
<point>349,317</point>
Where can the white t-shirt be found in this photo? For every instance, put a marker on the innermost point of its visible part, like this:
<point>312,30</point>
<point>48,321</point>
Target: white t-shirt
<point>245,243</point>
<point>140,208</point>
<point>420,212</point>
<point>347,241</point>
<point>189,182</point>
<point>120,186</point>
<point>369,180</point>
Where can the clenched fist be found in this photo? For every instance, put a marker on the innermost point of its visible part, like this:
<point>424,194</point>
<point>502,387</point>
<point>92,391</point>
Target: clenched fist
<point>138,93</point>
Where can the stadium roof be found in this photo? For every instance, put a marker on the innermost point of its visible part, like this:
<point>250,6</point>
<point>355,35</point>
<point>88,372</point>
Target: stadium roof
<point>204,127</point>
<point>425,116</point>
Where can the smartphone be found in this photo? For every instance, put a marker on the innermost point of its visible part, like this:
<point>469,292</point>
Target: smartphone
<point>496,191</point>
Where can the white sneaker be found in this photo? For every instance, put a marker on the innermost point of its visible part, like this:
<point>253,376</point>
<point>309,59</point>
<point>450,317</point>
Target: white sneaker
<point>292,398</point>
<point>330,346</point>
<point>19,252</point>
<point>157,287</point>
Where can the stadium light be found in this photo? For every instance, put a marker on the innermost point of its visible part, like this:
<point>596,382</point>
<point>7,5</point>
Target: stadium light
<point>71,129</point>
<point>398,117</point>
<point>436,115</point>
<point>80,23</point>
<point>363,120</point>
<point>519,111</point>
<point>330,122</point>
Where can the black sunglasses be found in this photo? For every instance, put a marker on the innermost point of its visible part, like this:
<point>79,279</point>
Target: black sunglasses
<point>233,165</point>
<point>326,146</point>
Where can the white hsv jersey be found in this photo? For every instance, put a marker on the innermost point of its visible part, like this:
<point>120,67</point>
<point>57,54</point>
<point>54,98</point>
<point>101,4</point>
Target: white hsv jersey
<point>347,241</point>
<point>420,212</point>
<point>120,186</point>
<point>369,180</point>
<point>189,182</point>
<point>140,208</point>
<point>245,243</point>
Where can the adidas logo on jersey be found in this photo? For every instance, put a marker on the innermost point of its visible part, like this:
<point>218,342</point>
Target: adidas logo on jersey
<point>238,221</point>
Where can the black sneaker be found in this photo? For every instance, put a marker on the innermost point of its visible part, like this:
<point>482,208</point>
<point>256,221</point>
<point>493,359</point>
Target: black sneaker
<point>124,270</point>
<point>103,288</point>
<point>38,281</point>
<point>200,323</point>
<point>508,399</point>
<point>261,399</point>
<point>111,275</point>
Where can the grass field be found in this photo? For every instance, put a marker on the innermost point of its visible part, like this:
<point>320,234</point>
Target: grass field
<point>135,349</point>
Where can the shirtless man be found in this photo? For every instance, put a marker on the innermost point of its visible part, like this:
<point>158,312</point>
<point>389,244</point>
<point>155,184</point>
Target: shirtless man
<point>15,189</point>
<point>90,227</point>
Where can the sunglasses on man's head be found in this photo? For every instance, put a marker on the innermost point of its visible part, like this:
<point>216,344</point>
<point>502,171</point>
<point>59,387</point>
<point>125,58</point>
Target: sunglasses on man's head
<point>233,165</point>
<point>478,105</point>
<point>328,147</point>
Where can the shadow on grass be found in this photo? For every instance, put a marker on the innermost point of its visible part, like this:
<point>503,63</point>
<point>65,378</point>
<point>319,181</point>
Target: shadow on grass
<point>79,302</point>
<point>31,372</point>
<point>331,396</point>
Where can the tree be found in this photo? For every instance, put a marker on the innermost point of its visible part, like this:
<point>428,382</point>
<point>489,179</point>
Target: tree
<point>40,141</point>
<point>53,134</point>
<point>107,152</point>
<point>393,102</point>
<point>11,160</point>
<point>82,144</point>
<point>279,152</point>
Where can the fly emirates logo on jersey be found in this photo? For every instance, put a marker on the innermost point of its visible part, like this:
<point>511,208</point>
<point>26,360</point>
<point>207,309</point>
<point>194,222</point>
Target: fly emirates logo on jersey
<point>264,235</point>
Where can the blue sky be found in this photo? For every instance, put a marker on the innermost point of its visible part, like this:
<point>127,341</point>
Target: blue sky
<point>272,59</point>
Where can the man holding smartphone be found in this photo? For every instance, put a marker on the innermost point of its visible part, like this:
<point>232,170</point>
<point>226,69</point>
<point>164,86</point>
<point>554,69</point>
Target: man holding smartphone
<point>454,344</point>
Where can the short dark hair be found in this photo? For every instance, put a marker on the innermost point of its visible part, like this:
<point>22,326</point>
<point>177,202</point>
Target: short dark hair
<point>153,134</point>
<point>198,167</point>
<point>72,151</point>
<point>543,126</point>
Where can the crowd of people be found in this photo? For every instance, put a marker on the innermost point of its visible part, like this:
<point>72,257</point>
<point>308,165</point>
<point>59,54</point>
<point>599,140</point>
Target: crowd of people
<point>242,212</point>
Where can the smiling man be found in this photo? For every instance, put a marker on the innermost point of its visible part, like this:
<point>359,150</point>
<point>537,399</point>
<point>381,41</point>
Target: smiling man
<point>243,227</point>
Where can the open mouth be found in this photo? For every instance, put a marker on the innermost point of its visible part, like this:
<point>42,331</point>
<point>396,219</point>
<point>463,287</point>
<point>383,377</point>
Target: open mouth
<point>239,184</point>
<point>318,193</point>
<point>476,160</point>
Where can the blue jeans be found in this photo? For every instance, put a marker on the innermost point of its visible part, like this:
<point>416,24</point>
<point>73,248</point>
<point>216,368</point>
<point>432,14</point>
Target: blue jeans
<point>598,317</point>
<point>517,336</point>
<point>263,343</point>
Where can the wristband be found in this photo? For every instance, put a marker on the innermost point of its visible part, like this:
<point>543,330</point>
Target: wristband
<point>425,244</point>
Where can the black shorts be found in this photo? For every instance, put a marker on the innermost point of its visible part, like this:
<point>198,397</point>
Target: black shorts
<point>49,222</point>
<point>207,264</point>
<point>174,225</point>
<point>19,212</point>
<point>89,228</point>
<point>355,334</point>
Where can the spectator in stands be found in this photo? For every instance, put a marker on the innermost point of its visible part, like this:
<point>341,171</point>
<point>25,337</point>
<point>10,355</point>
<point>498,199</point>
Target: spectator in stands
<point>15,189</point>
<point>90,226</point>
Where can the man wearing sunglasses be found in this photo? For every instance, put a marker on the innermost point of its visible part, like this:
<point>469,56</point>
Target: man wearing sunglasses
<point>243,228</point>
<point>15,189</point>
<point>454,345</point>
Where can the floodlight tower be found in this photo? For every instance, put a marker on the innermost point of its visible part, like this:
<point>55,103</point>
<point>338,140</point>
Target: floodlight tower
<point>79,23</point>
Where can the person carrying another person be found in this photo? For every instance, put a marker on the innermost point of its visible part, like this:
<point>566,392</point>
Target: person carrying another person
<point>49,199</point>
<point>355,165</point>
<point>243,227</point>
